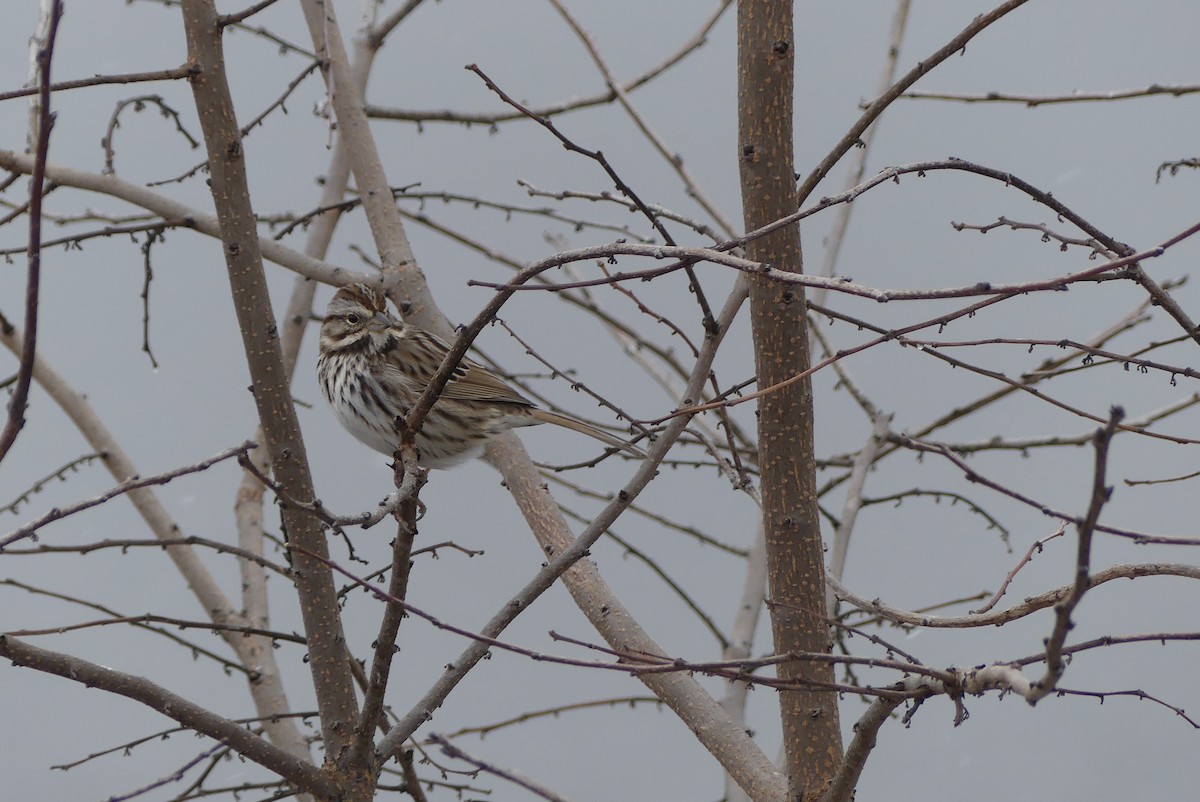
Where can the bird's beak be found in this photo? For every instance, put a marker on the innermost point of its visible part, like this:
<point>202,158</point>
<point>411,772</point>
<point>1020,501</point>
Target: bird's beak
<point>381,322</point>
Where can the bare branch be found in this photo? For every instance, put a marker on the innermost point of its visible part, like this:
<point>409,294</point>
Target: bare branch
<point>724,738</point>
<point>858,161</point>
<point>622,187</point>
<point>244,14</point>
<point>170,209</point>
<point>131,543</point>
<point>186,712</point>
<point>1077,96</point>
<point>854,501</point>
<point>1035,548</point>
<point>58,473</point>
<point>421,117</point>
<point>866,732</point>
<point>976,477</point>
<point>264,357</point>
<point>133,483</point>
<point>537,789</point>
<point>389,625</point>
<point>1021,610</point>
<point>673,159</point>
<point>877,107</point>
<point>174,74</point>
<point>377,33</point>
<point>43,122</point>
<point>139,103</point>
<point>1083,565</point>
<point>120,466</point>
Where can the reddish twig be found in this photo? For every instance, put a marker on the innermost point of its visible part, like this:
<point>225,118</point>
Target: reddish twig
<point>45,121</point>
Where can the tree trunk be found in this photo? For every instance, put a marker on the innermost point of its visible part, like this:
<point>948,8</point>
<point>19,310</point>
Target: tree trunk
<point>272,394</point>
<point>796,576</point>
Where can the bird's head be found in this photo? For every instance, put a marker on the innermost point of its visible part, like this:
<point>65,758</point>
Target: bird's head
<point>357,317</point>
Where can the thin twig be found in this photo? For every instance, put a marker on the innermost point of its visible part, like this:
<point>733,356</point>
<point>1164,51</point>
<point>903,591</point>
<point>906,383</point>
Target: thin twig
<point>858,160</point>
<point>133,483</point>
<point>1036,548</point>
<point>186,712</point>
<point>45,122</point>
<point>389,626</point>
<point>877,107</point>
<point>1083,564</point>
<point>854,500</point>
<point>422,116</point>
<point>622,187</point>
<point>58,473</point>
<point>1078,96</point>
<point>673,159</point>
<point>174,74</point>
<point>537,789</point>
<point>243,15</point>
<point>1024,608</point>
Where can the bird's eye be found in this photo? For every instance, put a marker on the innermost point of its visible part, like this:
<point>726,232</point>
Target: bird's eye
<point>353,319</point>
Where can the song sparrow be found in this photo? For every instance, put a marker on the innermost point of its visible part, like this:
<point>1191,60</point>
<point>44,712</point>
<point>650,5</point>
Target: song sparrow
<point>373,367</point>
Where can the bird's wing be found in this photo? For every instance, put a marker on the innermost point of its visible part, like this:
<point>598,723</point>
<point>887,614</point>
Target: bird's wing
<point>470,380</point>
<point>477,383</point>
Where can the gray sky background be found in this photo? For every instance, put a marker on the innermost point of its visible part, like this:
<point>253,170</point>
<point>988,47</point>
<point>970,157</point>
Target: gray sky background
<point>1099,159</point>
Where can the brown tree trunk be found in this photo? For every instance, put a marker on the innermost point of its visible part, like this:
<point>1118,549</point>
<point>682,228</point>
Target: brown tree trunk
<point>796,575</point>
<point>272,394</point>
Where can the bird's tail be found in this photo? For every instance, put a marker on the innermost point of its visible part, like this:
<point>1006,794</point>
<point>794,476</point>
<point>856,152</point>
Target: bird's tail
<point>584,428</point>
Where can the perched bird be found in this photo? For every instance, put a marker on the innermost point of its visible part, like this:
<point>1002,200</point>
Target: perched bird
<point>373,367</point>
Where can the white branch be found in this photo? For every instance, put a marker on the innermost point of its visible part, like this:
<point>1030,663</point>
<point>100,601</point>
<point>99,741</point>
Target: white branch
<point>998,617</point>
<point>168,208</point>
